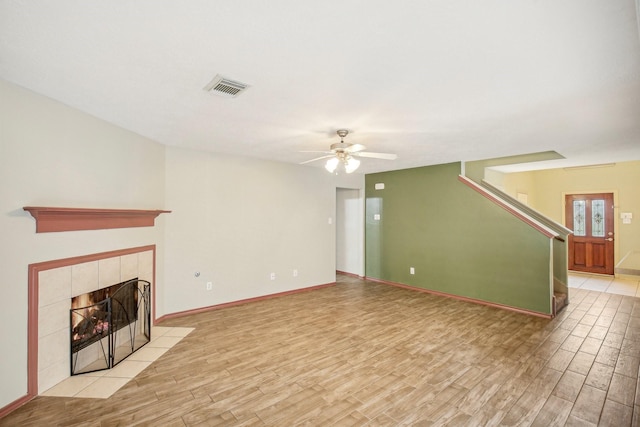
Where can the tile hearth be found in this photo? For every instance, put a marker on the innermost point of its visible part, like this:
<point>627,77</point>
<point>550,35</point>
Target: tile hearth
<point>102,384</point>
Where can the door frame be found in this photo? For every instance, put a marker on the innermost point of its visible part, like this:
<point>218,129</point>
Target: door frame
<point>616,225</point>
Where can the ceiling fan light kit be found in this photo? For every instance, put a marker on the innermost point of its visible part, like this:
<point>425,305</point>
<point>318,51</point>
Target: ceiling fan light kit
<point>343,153</point>
<point>332,164</point>
<point>351,164</point>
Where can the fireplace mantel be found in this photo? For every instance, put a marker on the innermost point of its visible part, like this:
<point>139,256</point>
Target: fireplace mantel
<point>49,219</point>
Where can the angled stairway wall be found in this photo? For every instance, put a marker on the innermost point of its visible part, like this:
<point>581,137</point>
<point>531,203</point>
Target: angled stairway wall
<point>458,241</point>
<point>560,243</point>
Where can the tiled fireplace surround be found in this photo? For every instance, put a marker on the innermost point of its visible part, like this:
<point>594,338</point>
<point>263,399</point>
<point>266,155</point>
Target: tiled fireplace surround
<point>52,284</point>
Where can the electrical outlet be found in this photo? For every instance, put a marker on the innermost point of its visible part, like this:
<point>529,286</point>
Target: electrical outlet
<point>273,276</point>
<point>209,286</point>
<point>412,270</point>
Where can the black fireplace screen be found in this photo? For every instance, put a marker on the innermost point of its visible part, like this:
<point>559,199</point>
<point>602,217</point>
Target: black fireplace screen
<point>112,323</point>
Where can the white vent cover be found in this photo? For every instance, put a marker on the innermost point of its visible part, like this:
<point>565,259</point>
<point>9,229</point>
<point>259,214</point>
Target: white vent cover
<point>225,87</point>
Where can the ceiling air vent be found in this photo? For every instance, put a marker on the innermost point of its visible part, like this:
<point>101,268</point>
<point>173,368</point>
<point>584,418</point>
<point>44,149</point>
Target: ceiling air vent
<point>225,87</point>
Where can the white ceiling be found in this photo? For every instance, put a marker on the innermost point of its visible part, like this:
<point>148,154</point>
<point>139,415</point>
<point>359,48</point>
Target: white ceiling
<point>433,81</point>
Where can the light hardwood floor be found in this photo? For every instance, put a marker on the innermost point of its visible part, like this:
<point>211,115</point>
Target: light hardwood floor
<point>364,353</point>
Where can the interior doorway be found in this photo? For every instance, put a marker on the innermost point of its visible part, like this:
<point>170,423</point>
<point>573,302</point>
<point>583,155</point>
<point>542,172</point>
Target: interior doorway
<point>349,231</point>
<point>591,246</point>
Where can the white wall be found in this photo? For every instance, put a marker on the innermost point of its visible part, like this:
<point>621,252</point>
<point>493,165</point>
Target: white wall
<point>235,220</point>
<point>53,155</point>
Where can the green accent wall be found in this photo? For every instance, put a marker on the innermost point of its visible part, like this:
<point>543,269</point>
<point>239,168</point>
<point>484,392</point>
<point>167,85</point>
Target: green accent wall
<point>458,241</point>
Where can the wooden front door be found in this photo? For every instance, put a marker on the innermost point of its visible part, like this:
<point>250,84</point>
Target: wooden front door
<point>590,216</point>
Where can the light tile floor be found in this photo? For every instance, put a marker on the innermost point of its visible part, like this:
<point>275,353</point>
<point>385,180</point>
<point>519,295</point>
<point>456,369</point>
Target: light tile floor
<point>622,286</point>
<point>103,384</point>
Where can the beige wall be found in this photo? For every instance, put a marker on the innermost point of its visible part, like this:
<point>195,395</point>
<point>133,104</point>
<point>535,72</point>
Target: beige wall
<point>236,220</point>
<point>53,155</point>
<point>546,190</point>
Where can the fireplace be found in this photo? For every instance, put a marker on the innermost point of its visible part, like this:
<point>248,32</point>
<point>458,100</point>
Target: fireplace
<point>109,324</point>
<point>52,285</point>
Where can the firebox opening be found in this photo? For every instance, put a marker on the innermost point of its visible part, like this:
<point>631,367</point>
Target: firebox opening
<point>109,324</point>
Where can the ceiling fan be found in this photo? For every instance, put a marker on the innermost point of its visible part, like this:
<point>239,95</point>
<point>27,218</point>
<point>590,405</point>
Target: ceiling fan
<point>345,153</point>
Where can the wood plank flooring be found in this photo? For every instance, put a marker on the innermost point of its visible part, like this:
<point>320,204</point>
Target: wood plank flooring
<point>364,353</point>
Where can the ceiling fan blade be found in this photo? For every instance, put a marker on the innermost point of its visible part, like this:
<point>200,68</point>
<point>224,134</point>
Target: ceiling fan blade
<point>385,156</point>
<point>354,148</point>
<point>317,158</point>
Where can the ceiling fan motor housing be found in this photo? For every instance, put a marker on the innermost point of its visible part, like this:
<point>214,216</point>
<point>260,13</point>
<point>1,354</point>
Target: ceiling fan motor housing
<point>340,146</point>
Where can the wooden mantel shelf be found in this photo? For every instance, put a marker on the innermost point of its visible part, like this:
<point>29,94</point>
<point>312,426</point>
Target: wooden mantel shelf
<point>50,219</point>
